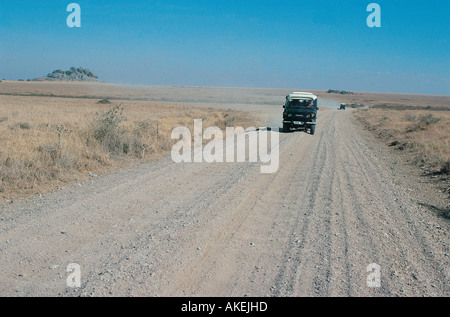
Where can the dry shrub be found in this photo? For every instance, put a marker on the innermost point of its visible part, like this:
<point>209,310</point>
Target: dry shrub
<point>108,132</point>
<point>422,122</point>
<point>445,169</point>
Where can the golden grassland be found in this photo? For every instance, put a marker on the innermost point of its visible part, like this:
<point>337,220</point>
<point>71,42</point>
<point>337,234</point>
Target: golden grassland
<point>424,134</point>
<point>46,142</point>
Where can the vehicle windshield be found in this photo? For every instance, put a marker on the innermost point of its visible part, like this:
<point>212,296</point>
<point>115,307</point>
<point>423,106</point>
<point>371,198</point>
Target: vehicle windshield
<point>300,103</point>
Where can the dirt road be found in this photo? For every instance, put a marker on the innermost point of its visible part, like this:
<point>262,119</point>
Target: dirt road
<point>225,229</point>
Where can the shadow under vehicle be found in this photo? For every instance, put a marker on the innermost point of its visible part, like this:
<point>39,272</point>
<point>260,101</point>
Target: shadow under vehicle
<point>300,112</point>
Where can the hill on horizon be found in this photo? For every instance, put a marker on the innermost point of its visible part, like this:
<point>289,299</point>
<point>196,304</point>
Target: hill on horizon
<point>73,74</point>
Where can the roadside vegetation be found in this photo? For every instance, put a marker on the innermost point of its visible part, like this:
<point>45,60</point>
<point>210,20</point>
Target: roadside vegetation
<point>46,143</point>
<point>422,134</point>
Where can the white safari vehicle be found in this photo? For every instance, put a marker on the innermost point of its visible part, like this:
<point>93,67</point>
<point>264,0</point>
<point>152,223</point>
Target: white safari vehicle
<point>300,112</point>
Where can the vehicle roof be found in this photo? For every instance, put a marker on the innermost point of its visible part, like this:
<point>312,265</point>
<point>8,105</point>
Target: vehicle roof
<point>301,95</point>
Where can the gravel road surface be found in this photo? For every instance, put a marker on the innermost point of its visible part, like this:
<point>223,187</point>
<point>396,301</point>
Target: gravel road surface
<point>225,229</point>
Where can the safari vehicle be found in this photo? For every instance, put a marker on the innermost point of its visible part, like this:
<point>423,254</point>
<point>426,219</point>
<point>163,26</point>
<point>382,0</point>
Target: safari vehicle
<point>300,112</point>
<point>342,106</point>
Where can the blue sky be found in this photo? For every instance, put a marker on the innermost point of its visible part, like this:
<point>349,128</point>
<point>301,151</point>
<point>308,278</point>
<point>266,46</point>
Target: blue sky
<point>274,44</point>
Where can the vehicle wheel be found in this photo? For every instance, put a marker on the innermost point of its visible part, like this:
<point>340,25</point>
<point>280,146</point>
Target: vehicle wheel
<point>313,129</point>
<point>286,127</point>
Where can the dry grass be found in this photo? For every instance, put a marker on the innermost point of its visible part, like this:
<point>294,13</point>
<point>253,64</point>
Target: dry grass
<point>417,125</point>
<point>46,142</point>
<point>424,134</point>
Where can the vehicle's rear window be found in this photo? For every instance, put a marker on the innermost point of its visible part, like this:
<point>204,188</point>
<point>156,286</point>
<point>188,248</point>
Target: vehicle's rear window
<point>300,103</point>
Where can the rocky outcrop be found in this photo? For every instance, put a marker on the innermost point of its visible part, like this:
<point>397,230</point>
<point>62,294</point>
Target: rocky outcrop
<point>341,92</point>
<point>73,74</point>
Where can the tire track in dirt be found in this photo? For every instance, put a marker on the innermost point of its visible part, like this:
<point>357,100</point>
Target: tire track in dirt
<point>293,261</point>
<point>229,232</point>
<point>397,222</point>
<point>314,275</point>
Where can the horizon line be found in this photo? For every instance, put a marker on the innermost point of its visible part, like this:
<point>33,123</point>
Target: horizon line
<point>218,86</point>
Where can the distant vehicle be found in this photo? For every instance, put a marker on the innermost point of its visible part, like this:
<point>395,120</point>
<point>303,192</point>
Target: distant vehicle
<point>300,112</point>
<point>342,106</point>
